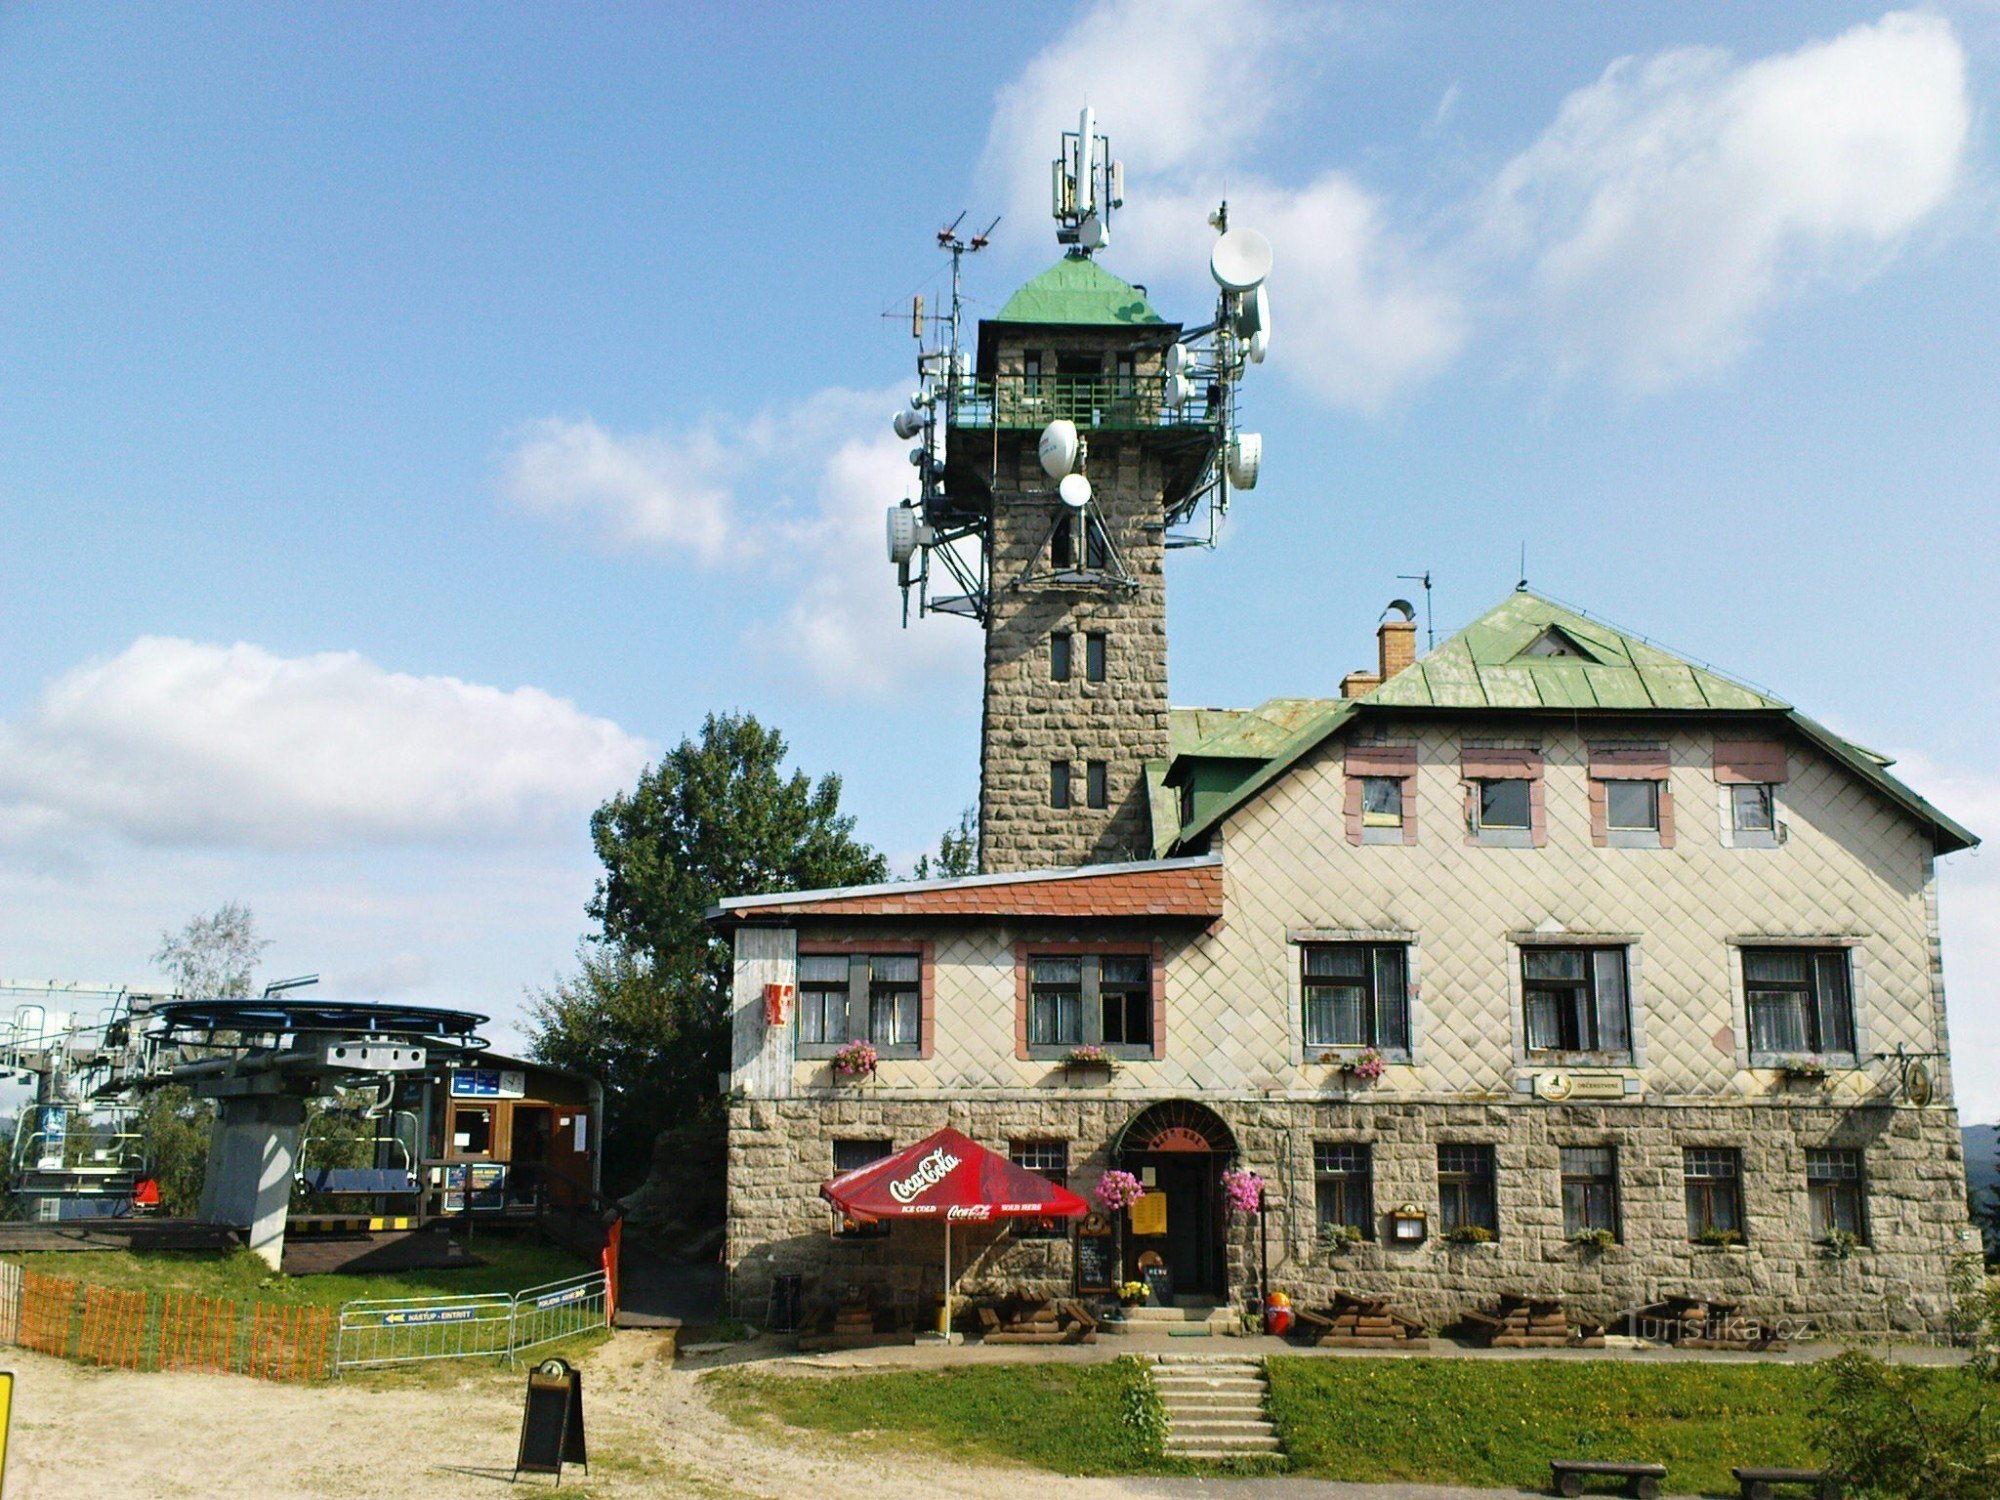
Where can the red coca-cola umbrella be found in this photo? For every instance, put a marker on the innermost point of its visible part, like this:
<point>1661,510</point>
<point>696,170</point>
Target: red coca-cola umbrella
<point>951,1177</point>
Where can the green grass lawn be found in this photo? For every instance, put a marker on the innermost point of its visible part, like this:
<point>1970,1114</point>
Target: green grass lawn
<point>1438,1421</point>
<point>512,1265</point>
<point>1498,1423</point>
<point>1065,1418</point>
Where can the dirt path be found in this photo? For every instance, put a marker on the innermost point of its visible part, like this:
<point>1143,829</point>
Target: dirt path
<point>80,1432</point>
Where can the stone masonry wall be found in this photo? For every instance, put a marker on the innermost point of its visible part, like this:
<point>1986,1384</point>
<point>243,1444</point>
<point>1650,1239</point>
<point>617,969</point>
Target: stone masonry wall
<point>1031,720</point>
<point>781,1150</point>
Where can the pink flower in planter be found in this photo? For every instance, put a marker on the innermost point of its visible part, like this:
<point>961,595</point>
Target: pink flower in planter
<point>1117,1191</point>
<point>855,1060</point>
<point>1243,1191</point>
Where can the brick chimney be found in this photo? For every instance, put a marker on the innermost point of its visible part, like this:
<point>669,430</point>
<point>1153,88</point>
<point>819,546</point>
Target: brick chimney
<point>1398,642</point>
<point>1356,684</point>
<point>1396,646</point>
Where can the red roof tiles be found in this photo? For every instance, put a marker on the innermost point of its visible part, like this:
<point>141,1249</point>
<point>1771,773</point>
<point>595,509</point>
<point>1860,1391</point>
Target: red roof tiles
<point>1192,892</point>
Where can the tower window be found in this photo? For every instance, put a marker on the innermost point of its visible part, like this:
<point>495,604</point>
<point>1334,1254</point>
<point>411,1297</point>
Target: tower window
<point>1058,783</point>
<point>1097,786</point>
<point>1059,656</point>
<point>1093,656</point>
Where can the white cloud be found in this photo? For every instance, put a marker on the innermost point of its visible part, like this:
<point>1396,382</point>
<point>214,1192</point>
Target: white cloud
<point>178,743</point>
<point>1680,196</point>
<point>1185,92</point>
<point>826,469</point>
<point>671,494</point>
<point>1969,914</point>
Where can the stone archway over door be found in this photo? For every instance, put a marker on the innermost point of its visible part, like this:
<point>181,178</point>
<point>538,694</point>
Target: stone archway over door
<point>1182,1147</point>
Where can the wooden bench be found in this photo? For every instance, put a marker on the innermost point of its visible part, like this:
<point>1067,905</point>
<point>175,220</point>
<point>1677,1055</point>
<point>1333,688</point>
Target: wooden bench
<point>1758,1483</point>
<point>1568,1474</point>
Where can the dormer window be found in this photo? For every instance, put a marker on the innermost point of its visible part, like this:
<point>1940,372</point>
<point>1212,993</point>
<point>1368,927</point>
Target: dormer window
<point>1555,641</point>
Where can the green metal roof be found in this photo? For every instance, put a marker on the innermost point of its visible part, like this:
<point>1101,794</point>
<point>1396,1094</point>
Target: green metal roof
<point>1494,664</point>
<point>1078,290</point>
<point>1484,666</point>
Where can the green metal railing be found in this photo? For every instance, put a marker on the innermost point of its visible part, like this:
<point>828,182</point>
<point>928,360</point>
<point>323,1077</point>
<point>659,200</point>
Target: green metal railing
<point>1090,401</point>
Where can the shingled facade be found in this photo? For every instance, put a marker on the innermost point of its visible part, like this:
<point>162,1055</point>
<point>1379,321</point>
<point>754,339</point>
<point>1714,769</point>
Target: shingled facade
<point>1618,979</point>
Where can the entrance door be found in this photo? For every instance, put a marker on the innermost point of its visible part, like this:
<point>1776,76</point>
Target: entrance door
<point>1190,1248</point>
<point>529,1151</point>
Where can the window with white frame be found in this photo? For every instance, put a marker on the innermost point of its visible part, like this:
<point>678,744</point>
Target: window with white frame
<point>1753,808</point>
<point>1505,805</point>
<point>1382,803</point>
<point>1632,806</point>
<point>1576,1000</point>
<point>1048,1159</point>
<point>1356,995</point>
<point>1800,1001</point>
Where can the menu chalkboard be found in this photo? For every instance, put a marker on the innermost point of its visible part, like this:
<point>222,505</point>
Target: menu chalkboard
<point>1094,1271</point>
<point>552,1421</point>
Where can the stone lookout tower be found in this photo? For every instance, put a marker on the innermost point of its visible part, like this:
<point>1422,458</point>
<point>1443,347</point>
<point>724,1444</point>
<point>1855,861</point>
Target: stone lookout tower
<point>1062,457</point>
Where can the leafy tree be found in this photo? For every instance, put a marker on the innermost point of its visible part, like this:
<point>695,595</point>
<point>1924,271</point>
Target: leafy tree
<point>175,1128</point>
<point>213,957</point>
<point>1893,1431</point>
<point>648,1013</point>
<point>613,1022</point>
<point>958,850</point>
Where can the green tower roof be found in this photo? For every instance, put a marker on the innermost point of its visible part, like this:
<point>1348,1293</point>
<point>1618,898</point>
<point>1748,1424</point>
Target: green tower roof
<point>1077,290</point>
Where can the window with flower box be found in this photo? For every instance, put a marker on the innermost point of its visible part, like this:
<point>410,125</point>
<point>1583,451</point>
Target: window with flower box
<point>1071,998</point>
<point>1466,1199</point>
<point>1712,1178</point>
<point>1589,1189</point>
<point>877,997</point>
<point>1356,995</point>
<point>1834,1186</point>
<point>1344,1187</point>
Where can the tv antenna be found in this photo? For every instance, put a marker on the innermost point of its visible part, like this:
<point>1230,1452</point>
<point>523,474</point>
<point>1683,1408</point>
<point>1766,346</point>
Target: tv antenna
<point>1430,629</point>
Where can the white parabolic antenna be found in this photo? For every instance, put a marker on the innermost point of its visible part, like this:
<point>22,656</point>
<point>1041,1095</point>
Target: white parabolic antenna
<point>1246,457</point>
<point>902,533</point>
<point>1058,448</point>
<point>908,424</point>
<point>1176,358</point>
<point>1075,491</point>
<point>1240,261</point>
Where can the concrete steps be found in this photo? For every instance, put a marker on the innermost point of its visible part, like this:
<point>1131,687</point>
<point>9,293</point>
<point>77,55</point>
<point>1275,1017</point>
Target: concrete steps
<point>1215,1406</point>
<point>1188,1320</point>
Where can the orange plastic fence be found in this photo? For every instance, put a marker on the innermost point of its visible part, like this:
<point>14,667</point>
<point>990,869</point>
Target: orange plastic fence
<point>134,1330</point>
<point>197,1333</point>
<point>114,1327</point>
<point>48,1313</point>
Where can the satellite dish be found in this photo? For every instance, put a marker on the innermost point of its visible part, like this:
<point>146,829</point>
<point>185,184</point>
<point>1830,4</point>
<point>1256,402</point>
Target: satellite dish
<point>902,533</point>
<point>1240,261</point>
<point>908,424</point>
<point>1179,388</point>
<point>1246,456</point>
<point>1260,345</point>
<point>1075,491</point>
<point>1058,448</point>
<point>1253,312</point>
<point>1092,234</point>
<point>1176,358</point>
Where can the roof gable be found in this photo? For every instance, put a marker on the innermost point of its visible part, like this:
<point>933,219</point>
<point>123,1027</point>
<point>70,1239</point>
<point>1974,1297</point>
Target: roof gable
<point>1530,652</point>
<point>1494,664</point>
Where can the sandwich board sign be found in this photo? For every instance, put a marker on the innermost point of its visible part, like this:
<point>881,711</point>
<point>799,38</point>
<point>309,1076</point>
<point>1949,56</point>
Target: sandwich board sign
<point>552,1421</point>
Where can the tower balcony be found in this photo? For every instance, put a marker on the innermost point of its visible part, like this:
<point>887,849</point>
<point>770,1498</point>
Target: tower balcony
<point>1093,402</point>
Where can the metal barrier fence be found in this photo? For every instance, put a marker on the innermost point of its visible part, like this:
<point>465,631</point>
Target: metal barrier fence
<point>392,1331</point>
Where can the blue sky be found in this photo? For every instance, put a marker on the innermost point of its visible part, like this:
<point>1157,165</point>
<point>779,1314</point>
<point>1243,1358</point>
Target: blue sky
<point>412,419</point>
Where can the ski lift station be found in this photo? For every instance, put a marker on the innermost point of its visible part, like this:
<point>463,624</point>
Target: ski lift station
<point>426,1127</point>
